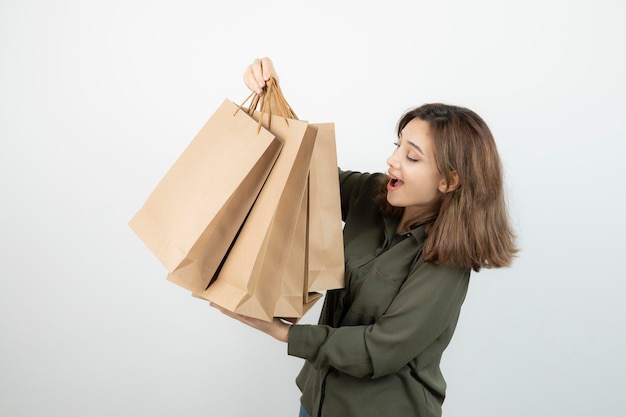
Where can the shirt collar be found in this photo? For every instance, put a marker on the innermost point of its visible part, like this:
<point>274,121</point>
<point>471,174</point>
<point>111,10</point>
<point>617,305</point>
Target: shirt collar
<point>391,225</point>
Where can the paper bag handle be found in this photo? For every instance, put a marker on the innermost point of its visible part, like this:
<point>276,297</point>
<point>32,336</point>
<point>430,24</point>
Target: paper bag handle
<point>272,102</point>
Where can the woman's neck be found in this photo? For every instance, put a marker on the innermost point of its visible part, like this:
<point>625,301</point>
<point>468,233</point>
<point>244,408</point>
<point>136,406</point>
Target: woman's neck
<point>410,220</point>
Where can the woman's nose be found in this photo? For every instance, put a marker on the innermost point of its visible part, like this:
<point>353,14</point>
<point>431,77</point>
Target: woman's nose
<point>392,161</point>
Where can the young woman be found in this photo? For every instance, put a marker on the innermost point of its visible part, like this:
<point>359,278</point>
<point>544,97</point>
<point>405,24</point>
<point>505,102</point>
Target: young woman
<point>411,238</point>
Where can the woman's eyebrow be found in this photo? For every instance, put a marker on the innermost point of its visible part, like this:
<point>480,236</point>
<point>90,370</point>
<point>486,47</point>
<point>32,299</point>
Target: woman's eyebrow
<point>416,147</point>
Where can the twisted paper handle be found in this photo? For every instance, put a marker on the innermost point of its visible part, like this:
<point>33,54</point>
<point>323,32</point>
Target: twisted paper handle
<point>272,97</point>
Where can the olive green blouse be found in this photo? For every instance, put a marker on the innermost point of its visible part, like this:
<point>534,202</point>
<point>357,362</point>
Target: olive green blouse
<point>377,348</point>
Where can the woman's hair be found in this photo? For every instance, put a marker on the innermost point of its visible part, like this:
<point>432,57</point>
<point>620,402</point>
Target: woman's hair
<point>469,225</point>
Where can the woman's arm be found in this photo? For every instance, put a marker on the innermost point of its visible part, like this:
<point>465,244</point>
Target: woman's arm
<point>422,315</point>
<point>277,328</point>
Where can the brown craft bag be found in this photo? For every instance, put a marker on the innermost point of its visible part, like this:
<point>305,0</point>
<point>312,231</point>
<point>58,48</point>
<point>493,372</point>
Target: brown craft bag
<point>249,281</point>
<point>295,300</point>
<point>325,241</point>
<point>319,239</point>
<point>192,216</point>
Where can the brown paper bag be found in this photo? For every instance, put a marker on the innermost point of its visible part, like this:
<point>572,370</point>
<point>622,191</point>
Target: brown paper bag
<point>325,254</point>
<point>194,213</point>
<point>316,261</point>
<point>250,279</point>
<point>295,300</point>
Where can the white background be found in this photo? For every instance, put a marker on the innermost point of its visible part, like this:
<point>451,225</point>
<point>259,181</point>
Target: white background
<point>97,100</point>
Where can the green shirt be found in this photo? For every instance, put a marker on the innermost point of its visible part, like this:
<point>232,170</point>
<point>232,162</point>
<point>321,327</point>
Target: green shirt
<point>377,347</point>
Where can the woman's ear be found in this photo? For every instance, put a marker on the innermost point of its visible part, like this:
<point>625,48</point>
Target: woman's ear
<point>446,186</point>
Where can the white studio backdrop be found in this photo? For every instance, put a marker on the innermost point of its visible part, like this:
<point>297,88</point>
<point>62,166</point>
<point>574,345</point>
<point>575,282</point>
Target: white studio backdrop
<point>97,100</point>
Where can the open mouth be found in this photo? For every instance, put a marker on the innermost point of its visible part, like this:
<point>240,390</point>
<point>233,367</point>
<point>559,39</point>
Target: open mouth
<point>394,184</point>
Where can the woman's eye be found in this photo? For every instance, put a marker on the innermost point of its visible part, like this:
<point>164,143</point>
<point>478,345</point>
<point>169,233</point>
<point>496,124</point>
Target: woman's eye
<point>411,159</point>
<point>396,144</point>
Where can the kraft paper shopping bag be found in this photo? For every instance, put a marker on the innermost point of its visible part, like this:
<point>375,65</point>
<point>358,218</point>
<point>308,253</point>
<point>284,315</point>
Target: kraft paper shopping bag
<point>319,238</point>
<point>249,281</point>
<point>192,216</point>
<point>325,242</point>
<point>295,300</point>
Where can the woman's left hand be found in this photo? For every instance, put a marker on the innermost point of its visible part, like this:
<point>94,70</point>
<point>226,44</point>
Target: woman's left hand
<point>277,328</point>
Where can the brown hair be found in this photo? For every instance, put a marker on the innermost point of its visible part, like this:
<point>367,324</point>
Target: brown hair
<point>469,225</point>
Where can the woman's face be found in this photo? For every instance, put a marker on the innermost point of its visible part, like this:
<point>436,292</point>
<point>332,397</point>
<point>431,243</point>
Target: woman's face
<point>415,180</point>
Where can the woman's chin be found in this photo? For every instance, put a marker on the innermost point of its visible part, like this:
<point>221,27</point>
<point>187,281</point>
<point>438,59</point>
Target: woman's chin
<point>392,202</point>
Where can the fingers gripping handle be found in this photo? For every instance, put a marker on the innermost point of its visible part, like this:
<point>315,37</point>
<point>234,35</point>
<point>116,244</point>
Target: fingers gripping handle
<point>271,102</point>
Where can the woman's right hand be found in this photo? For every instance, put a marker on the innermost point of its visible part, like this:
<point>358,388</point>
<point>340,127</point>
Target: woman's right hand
<point>258,73</point>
